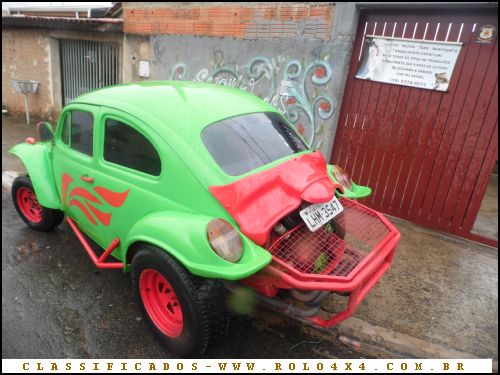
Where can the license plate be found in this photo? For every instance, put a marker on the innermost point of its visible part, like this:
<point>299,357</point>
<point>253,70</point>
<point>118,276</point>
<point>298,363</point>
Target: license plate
<point>318,214</point>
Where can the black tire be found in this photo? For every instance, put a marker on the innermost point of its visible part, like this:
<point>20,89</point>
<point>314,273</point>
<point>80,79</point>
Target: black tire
<point>202,301</point>
<point>50,218</point>
<point>216,297</point>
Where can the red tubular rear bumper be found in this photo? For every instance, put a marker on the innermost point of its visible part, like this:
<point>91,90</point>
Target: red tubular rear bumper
<point>358,287</point>
<point>361,224</point>
<point>381,260</point>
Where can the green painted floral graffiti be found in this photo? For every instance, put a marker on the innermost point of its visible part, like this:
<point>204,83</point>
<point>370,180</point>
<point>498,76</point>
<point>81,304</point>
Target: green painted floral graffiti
<point>296,88</point>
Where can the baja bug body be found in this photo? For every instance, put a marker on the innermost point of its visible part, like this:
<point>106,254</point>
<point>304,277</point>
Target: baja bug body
<point>194,187</point>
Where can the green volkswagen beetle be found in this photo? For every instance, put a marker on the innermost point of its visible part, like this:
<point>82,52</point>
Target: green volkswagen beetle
<point>199,189</point>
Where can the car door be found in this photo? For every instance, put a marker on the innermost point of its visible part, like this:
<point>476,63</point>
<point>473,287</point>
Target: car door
<point>73,162</point>
<point>129,172</point>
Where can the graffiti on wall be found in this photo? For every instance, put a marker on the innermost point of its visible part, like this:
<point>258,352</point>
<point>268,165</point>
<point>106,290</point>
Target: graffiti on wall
<point>296,88</point>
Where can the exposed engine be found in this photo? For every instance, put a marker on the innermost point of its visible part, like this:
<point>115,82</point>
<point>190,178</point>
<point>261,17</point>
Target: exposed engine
<point>292,220</point>
<point>305,252</point>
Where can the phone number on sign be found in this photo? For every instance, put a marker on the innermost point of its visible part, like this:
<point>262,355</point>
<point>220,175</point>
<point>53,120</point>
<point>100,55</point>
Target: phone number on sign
<point>408,82</point>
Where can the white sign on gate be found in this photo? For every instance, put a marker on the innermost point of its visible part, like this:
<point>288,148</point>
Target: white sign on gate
<point>408,62</point>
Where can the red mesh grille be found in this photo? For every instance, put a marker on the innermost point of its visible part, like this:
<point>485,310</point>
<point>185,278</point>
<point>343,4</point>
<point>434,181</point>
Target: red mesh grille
<point>357,231</point>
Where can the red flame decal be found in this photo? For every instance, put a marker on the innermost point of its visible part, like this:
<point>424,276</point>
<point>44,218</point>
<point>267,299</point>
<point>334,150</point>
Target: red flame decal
<point>113,198</point>
<point>78,204</point>
<point>103,217</point>
<point>66,180</point>
<point>81,192</point>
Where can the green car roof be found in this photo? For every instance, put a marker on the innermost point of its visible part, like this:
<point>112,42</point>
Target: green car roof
<point>185,107</point>
<point>178,111</point>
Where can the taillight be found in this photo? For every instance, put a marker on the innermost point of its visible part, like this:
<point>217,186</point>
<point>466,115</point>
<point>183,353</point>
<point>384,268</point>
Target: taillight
<point>342,177</point>
<point>225,240</point>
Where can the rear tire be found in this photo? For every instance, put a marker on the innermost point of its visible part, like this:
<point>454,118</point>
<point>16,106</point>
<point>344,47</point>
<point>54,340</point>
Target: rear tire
<point>185,312</point>
<point>37,217</point>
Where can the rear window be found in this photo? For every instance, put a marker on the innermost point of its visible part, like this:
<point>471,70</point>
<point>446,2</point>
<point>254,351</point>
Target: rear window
<point>242,143</point>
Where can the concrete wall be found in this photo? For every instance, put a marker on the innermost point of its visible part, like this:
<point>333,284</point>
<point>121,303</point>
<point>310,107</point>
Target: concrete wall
<point>290,54</point>
<point>34,54</point>
<point>300,69</point>
<point>345,25</point>
<point>25,55</point>
<point>136,48</point>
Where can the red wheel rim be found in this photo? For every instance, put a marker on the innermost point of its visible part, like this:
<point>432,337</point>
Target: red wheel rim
<point>161,303</point>
<point>28,205</point>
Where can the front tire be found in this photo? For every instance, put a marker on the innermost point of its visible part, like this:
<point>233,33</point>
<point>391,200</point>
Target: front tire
<point>184,311</point>
<point>37,217</point>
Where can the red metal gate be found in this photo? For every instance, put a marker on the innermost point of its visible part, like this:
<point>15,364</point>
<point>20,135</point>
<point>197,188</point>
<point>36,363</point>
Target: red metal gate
<point>427,155</point>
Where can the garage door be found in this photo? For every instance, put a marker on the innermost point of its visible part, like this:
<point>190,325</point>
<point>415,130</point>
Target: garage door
<point>428,155</point>
<point>86,66</point>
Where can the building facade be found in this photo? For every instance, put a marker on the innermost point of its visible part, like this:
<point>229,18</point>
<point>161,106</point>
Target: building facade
<point>427,154</point>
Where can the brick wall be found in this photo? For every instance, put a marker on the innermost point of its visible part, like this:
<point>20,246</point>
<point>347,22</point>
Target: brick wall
<point>25,55</point>
<point>256,21</point>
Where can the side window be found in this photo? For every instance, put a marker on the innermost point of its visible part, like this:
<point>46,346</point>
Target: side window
<point>123,145</point>
<point>82,130</point>
<point>65,128</point>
